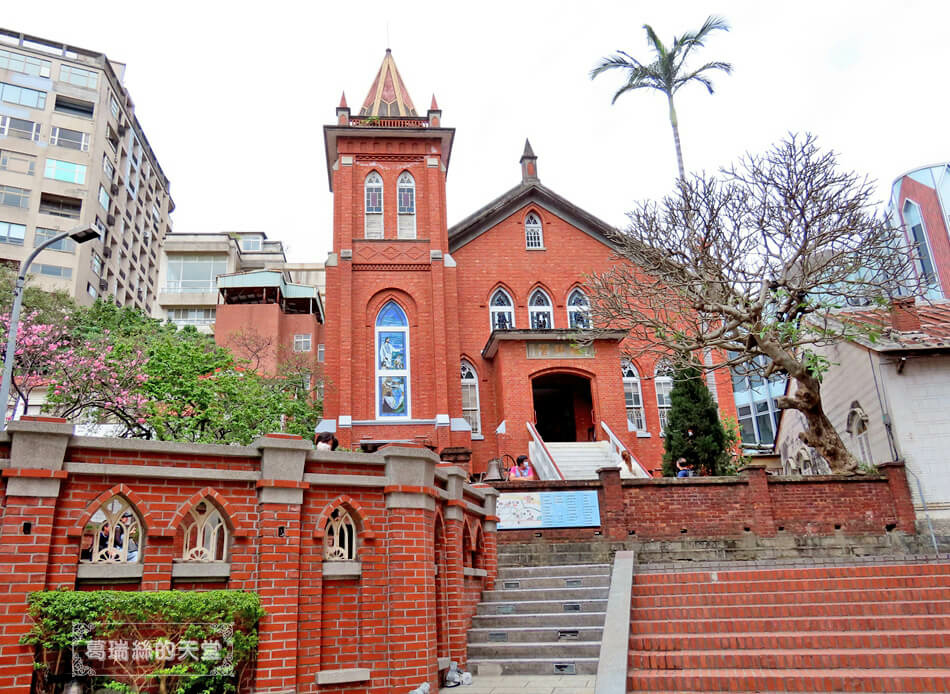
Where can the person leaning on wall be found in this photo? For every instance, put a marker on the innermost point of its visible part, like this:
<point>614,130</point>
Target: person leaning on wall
<point>522,471</point>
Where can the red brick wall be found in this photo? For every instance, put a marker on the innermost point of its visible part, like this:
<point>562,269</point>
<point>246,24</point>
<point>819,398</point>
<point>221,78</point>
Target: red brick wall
<point>935,226</point>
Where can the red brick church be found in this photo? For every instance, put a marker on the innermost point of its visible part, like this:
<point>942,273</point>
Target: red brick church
<point>465,337</point>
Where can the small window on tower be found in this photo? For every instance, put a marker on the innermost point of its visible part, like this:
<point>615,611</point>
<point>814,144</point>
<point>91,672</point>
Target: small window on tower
<point>374,206</point>
<point>533,236</point>
<point>406,197</point>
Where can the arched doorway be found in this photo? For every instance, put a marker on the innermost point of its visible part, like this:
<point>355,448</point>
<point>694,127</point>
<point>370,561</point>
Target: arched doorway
<point>563,407</point>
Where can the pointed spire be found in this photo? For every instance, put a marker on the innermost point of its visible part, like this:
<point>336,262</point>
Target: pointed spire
<point>434,106</point>
<point>529,164</point>
<point>343,101</point>
<point>388,97</point>
<point>435,114</point>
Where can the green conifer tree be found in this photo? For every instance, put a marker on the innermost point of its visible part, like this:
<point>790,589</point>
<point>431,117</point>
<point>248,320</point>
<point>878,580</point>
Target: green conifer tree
<point>693,430</point>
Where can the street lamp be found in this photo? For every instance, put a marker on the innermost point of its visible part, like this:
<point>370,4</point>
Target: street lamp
<point>79,235</point>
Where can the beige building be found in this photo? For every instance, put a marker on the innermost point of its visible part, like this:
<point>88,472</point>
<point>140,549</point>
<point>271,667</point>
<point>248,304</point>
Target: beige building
<point>73,153</point>
<point>190,265</point>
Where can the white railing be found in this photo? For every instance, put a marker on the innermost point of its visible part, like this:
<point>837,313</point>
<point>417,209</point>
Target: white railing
<point>541,458</point>
<point>616,452</point>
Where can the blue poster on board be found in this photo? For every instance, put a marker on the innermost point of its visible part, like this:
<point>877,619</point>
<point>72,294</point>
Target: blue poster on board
<point>548,510</point>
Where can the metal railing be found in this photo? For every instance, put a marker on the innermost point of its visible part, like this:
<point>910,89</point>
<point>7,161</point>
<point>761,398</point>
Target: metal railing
<point>542,459</point>
<point>617,448</point>
<point>923,502</point>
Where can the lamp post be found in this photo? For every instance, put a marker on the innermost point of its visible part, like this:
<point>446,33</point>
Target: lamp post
<point>79,235</point>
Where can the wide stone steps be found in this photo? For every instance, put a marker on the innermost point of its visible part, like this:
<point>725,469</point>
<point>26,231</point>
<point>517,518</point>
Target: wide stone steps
<point>581,460</point>
<point>540,620</point>
<point>866,628</point>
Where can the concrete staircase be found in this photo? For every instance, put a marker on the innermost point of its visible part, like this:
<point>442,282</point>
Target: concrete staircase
<point>540,620</point>
<point>581,460</point>
<point>868,628</point>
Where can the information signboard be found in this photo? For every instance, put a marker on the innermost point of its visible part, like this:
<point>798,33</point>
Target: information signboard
<point>522,510</point>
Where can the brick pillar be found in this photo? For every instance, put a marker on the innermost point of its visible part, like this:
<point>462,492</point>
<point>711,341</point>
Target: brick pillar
<point>759,499</point>
<point>491,535</point>
<point>613,523</point>
<point>454,515</point>
<point>410,506</point>
<point>280,497</point>
<point>900,491</point>
<point>32,488</point>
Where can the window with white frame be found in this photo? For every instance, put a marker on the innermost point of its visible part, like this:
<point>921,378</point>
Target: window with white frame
<point>22,96</point>
<point>41,236</point>
<point>373,196</point>
<point>65,171</point>
<point>105,202</point>
<point>194,273</point>
<point>248,243</point>
<point>91,291</point>
<point>857,427</point>
<point>11,196</point>
<point>633,397</point>
<point>533,236</point>
<point>191,316</point>
<point>406,201</point>
<point>321,352</point>
<point>206,534</point>
<point>19,127</point>
<point>663,383</point>
<point>114,105</point>
<point>107,168</point>
<point>71,139</point>
<point>914,221</point>
<point>470,406</point>
<point>392,363</point>
<point>113,534</point>
<point>502,311</point>
<point>302,343</point>
<point>95,262</point>
<point>17,62</point>
<point>12,233</point>
<point>578,310</point>
<point>78,77</point>
<point>339,539</point>
<point>540,310</point>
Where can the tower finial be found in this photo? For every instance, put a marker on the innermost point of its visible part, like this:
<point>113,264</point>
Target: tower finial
<point>529,164</point>
<point>343,101</point>
<point>434,106</point>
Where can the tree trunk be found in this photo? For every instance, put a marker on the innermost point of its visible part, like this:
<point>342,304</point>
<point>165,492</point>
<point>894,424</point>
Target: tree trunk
<point>676,137</point>
<point>820,434</point>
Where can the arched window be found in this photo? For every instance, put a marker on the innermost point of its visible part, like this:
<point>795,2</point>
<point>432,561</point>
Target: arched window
<point>406,199</point>
<point>578,310</point>
<point>206,534</point>
<point>373,188</point>
<point>914,222</point>
<point>113,534</point>
<point>633,396</point>
<point>663,381</point>
<point>533,236</point>
<point>857,426</point>
<point>502,311</point>
<point>392,362</point>
<point>339,540</point>
<point>470,408</point>
<point>540,311</point>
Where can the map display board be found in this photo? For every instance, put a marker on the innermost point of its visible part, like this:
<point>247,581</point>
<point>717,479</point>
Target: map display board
<point>519,510</point>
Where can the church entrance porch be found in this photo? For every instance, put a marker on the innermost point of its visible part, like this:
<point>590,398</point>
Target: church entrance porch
<point>563,407</point>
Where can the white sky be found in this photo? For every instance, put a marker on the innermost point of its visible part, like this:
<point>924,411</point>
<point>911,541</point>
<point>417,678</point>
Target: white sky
<point>233,96</point>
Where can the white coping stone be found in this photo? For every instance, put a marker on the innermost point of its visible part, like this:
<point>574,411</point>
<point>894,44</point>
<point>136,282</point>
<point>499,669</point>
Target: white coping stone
<point>356,674</point>
<point>612,665</point>
<point>342,569</point>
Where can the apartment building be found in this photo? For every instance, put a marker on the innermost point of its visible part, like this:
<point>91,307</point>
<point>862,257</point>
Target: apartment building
<point>189,267</point>
<point>73,153</point>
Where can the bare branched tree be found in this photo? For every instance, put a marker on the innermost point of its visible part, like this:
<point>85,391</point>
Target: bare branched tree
<point>755,262</point>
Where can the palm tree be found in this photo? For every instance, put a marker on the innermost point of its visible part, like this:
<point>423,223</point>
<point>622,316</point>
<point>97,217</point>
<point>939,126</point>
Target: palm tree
<point>667,73</point>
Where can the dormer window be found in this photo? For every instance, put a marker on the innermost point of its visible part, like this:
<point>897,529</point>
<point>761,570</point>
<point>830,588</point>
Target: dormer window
<point>251,243</point>
<point>374,206</point>
<point>406,199</point>
<point>540,311</point>
<point>533,236</point>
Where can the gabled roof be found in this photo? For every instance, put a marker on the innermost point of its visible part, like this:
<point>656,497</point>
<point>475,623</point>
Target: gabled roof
<point>934,333</point>
<point>388,96</point>
<point>527,193</point>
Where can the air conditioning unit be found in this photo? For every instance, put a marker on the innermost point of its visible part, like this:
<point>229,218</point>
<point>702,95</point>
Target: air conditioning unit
<point>114,188</point>
<point>123,128</point>
<point>110,220</point>
<point>103,285</point>
<point>106,252</point>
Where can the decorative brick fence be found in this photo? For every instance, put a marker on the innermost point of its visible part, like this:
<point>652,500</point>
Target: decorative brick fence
<point>368,565</point>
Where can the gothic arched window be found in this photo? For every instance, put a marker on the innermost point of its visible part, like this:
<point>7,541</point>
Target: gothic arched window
<point>113,534</point>
<point>470,407</point>
<point>914,222</point>
<point>339,540</point>
<point>857,426</point>
<point>206,534</point>
<point>578,310</point>
<point>392,362</point>
<point>663,381</point>
<point>533,236</point>
<point>540,311</point>
<point>633,397</point>
<point>406,201</point>
<point>502,311</point>
<point>373,189</point>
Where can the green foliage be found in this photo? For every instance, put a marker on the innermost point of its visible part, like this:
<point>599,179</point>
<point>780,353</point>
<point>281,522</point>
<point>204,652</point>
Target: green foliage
<point>693,430</point>
<point>51,308</point>
<point>175,615</point>
<point>732,458</point>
